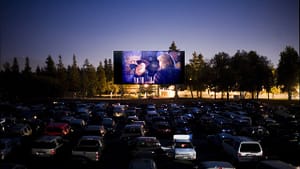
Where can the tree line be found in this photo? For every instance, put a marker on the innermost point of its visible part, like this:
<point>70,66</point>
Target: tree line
<point>56,80</point>
<point>244,71</point>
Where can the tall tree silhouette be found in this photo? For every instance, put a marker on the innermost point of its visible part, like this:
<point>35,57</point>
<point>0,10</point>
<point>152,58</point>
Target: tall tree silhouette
<point>287,71</point>
<point>195,73</point>
<point>101,79</point>
<point>62,73</point>
<point>174,48</point>
<point>27,69</point>
<point>15,66</point>
<point>74,77</point>
<point>223,78</point>
<point>50,69</point>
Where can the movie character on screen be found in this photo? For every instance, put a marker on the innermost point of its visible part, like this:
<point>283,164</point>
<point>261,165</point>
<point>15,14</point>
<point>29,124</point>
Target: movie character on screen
<point>167,72</point>
<point>176,58</point>
<point>141,72</point>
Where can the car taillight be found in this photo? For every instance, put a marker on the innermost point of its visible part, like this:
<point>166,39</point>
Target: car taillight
<point>52,151</point>
<point>97,156</point>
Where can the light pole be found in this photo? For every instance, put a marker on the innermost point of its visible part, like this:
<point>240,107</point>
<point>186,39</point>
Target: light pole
<point>191,88</point>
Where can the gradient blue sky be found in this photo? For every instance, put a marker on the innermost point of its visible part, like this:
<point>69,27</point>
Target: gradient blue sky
<point>93,29</point>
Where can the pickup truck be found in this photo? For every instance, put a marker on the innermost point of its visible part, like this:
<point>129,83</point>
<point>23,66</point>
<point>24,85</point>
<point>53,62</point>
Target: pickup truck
<point>88,149</point>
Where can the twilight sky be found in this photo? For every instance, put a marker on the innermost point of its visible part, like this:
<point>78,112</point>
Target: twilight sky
<point>93,29</point>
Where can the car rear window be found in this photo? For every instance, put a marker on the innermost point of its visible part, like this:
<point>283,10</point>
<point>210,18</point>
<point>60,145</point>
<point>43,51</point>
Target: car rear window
<point>250,147</point>
<point>44,145</point>
<point>87,148</point>
<point>89,143</point>
<point>148,143</point>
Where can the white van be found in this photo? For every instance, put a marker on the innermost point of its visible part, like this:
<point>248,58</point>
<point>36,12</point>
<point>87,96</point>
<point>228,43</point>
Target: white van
<point>243,149</point>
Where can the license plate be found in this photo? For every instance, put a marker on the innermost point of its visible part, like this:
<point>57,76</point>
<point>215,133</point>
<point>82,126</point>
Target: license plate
<point>40,153</point>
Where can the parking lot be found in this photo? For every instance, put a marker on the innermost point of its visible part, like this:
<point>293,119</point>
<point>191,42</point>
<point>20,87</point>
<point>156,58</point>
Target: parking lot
<point>275,127</point>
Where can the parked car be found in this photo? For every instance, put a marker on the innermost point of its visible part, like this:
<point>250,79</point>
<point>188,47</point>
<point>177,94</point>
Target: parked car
<point>162,129</point>
<point>256,132</point>
<point>243,149</point>
<point>216,140</point>
<point>76,126</point>
<point>215,165</point>
<point>49,146</point>
<point>131,119</point>
<point>58,129</point>
<point>8,148</point>
<point>183,148</point>
<point>109,124</point>
<point>20,129</point>
<point>88,149</point>
<point>142,163</point>
<point>150,114</point>
<point>130,132</point>
<point>147,147</point>
<point>94,130</point>
<point>119,111</point>
<point>10,165</point>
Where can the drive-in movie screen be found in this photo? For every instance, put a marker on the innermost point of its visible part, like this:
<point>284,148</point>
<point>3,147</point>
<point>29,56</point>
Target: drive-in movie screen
<point>149,67</point>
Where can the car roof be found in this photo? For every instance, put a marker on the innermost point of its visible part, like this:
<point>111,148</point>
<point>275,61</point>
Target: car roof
<point>90,138</point>
<point>224,135</point>
<point>8,165</point>
<point>216,164</point>
<point>93,126</point>
<point>145,163</point>
<point>146,138</point>
<point>57,124</point>
<point>47,138</point>
<point>133,125</point>
<point>5,140</point>
<point>243,139</point>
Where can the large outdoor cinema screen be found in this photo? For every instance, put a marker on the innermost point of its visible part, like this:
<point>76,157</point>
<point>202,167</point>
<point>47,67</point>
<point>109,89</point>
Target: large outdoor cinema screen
<point>149,67</point>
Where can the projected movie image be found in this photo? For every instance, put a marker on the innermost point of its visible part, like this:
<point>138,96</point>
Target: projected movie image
<point>149,67</point>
